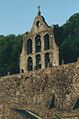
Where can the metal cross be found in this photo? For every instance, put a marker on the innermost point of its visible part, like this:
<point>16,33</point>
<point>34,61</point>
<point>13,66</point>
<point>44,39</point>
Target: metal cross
<point>39,7</point>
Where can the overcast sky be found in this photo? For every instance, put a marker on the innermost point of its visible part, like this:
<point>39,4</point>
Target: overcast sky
<point>16,16</point>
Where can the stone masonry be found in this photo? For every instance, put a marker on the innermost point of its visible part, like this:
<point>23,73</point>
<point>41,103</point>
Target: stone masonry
<point>44,92</point>
<point>43,87</point>
<point>40,28</point>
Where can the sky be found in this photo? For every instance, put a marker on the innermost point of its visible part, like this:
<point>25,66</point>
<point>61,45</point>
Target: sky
<point>17,16</point>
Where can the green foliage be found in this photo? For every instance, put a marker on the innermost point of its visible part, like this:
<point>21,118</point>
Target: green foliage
<point>70,39</point>
<point>67,39</point>
<point>57,116</point>
<point>10,49</point>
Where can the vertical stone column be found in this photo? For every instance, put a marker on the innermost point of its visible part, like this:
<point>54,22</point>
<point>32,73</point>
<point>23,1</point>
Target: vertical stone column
<point>23,61</point>
<point>51,49</point>
<point>26,58</point>
<point>33,50</point>
<point>55,53</point>
<point>42,52</point>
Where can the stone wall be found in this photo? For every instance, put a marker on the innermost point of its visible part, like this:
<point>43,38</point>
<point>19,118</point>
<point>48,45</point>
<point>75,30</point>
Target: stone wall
<point>35,91</point>
<point>53,49</point>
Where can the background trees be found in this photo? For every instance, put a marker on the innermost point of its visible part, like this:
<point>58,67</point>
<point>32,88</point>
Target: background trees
<point>70,39</point>
<point>10,49</point>
<point>67,38</point>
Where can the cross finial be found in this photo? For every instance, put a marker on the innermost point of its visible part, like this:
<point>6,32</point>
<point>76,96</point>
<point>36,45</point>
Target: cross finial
<point>39,12</point>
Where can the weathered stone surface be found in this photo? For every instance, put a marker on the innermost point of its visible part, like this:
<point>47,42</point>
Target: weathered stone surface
<point>53,50</point>
<point>35,90</point>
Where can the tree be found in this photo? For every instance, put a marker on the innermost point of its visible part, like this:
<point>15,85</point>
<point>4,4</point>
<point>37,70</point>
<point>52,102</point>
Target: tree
<point>70,39</point>
<point>10,49</point>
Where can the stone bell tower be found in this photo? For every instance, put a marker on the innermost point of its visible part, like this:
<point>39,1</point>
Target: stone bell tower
<point>39,46</point>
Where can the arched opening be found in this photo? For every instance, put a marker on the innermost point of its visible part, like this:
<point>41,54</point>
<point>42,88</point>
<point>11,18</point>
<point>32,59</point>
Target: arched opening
<point>38,61</point>
<point>46,42</point>
<point>29,64</point>
<point>38,24</point>
<point>47,60</point>
<point>29,46</point>
<point>37,43</point>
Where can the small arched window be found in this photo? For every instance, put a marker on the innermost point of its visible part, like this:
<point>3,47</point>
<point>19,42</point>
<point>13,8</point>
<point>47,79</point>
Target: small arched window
<point>38,24</point>
<point>29,64</point>
<point>47,60</point>
<point>37,43</point>
<point>46,42</point>
<point>29,46</point>
<point>38,61</point>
